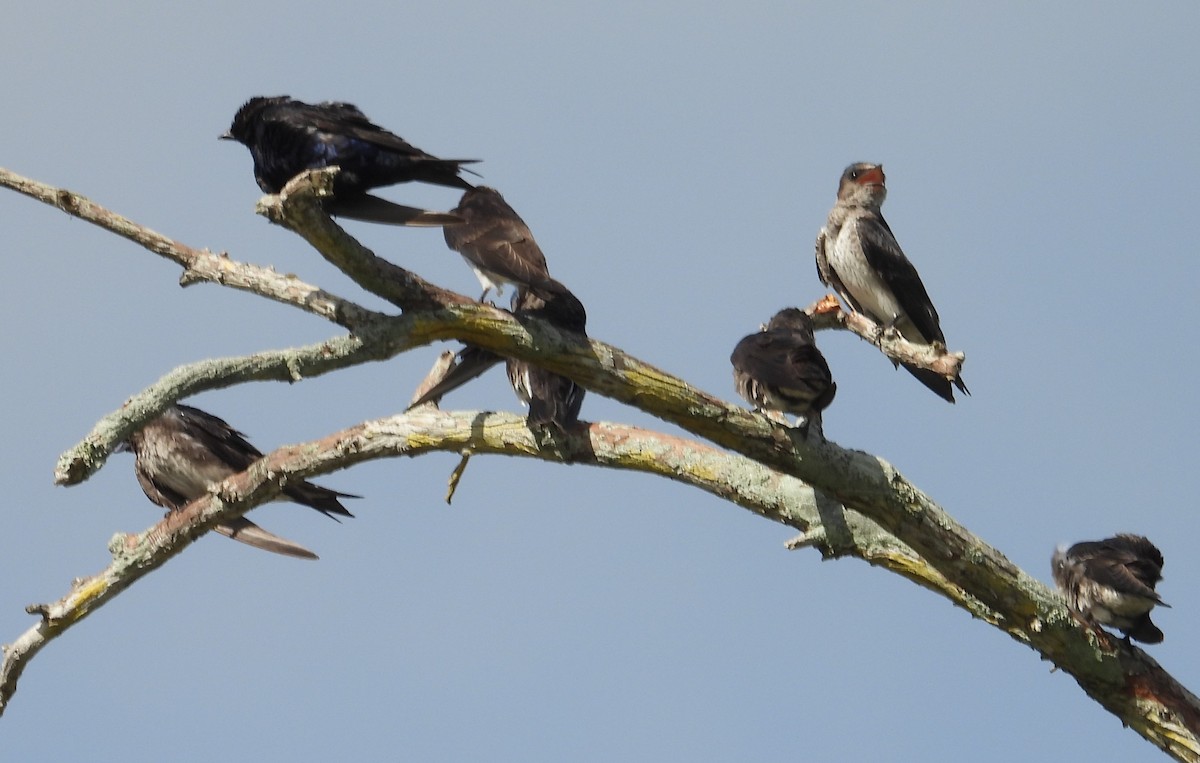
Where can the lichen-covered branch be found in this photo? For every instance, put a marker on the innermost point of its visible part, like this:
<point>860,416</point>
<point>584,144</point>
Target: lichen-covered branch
<point>1014,601</point>
<point>835,531</point>
<point>298,208</point>
<point>944,555</point>
<point>86,457</point>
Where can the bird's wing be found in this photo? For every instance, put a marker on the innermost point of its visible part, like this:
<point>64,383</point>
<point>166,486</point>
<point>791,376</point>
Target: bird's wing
<point>500,245</point>
<point>1116,568</point>
<point>773,358</point>
<point>347,120</point>
<point>1140,558</point>
<point>886,258</point>
<point>828,275</point>
<point>218,437</point>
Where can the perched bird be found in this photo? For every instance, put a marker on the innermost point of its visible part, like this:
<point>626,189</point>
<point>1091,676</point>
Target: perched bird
<point>858,257</point>
<point>781,369</point>
<point>552,399</point>
<point>1112,582</point>
<point>496,242</point>
<point>185,451</point>
<point>287,137</point>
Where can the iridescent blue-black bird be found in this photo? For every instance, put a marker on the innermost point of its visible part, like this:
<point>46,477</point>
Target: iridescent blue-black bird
<point>781,369</point>
<point>552,399</point>
<point>185,451</point>
<point>1112,582</point>
<point>287,137</point>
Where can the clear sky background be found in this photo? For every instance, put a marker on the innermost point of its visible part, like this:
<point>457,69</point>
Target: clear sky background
<point>675,161</point>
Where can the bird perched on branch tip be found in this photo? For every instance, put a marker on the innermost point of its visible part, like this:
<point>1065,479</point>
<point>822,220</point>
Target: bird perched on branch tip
<point>859,258</point>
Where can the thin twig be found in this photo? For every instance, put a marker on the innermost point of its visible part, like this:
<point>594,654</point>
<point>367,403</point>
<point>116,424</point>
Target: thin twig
<point>199,264</point>
<point>827,313</point>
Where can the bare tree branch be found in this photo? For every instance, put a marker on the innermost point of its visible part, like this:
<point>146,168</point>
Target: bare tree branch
<point>827,313</point>
<point>199,264</point>
<point>735,478</point>
<point>298,208</point>
<point>947,557</point>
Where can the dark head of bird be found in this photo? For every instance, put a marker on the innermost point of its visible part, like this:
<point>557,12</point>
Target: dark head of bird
<point>484,201</point>
<point>242,128</point>
<point>793,319</point>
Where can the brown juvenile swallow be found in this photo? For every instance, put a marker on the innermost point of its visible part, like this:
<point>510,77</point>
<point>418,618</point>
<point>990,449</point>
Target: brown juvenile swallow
<point>496,242</point>
<point>781,369</point>
<point>552,399</point>
<point>858,257</point>
<point>185,451</point>
<point>287,137</point>
<point>1112,582</point>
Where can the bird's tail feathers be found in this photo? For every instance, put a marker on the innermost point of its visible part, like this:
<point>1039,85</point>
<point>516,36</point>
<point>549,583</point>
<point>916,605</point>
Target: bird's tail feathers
<point>1146,631</point>
<point>242,529</point>
<point>547,412</point>
<point>373,209</point>
<point>320,498</point>
<point>470,363</point>
<point>939,384</point>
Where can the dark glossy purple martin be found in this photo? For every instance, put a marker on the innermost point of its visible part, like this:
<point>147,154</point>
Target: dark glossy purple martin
<point>185,451</point>
<point>287,137</point>
<point>1111,582</point>
<point>496,242</point>
<point>859,258</point>
<point>781,369</point>
<point>553,400</point>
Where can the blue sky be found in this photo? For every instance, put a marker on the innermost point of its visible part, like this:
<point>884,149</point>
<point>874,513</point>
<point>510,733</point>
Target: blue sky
<point>675,163</point>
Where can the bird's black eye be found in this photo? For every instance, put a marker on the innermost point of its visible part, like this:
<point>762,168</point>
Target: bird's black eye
<point>854,174</point>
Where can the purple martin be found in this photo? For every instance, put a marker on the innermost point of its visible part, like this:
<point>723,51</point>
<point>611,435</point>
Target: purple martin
<point>287,137</point>
<point>1112,582</point>
<point>858,257</point>
<point>553,400</point>
<point>781,369</point>
<point>496,242</point>
<point>185,451</point>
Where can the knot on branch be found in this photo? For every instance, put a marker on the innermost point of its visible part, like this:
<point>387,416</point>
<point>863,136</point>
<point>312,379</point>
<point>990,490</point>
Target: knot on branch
<point>67,201</point>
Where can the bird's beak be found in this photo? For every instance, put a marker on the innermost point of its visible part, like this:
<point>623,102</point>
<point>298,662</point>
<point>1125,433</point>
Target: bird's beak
<point>873,176</point>
<point>225,136</point>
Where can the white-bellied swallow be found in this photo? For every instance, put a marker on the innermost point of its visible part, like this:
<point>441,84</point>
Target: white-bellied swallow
<point>287,137</point>
<point>553,400</point>
<point>858,257</point>
<point>184,452</point>
<point>1111,582</point>
<point>496,242</point>
<point>781,369</point>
